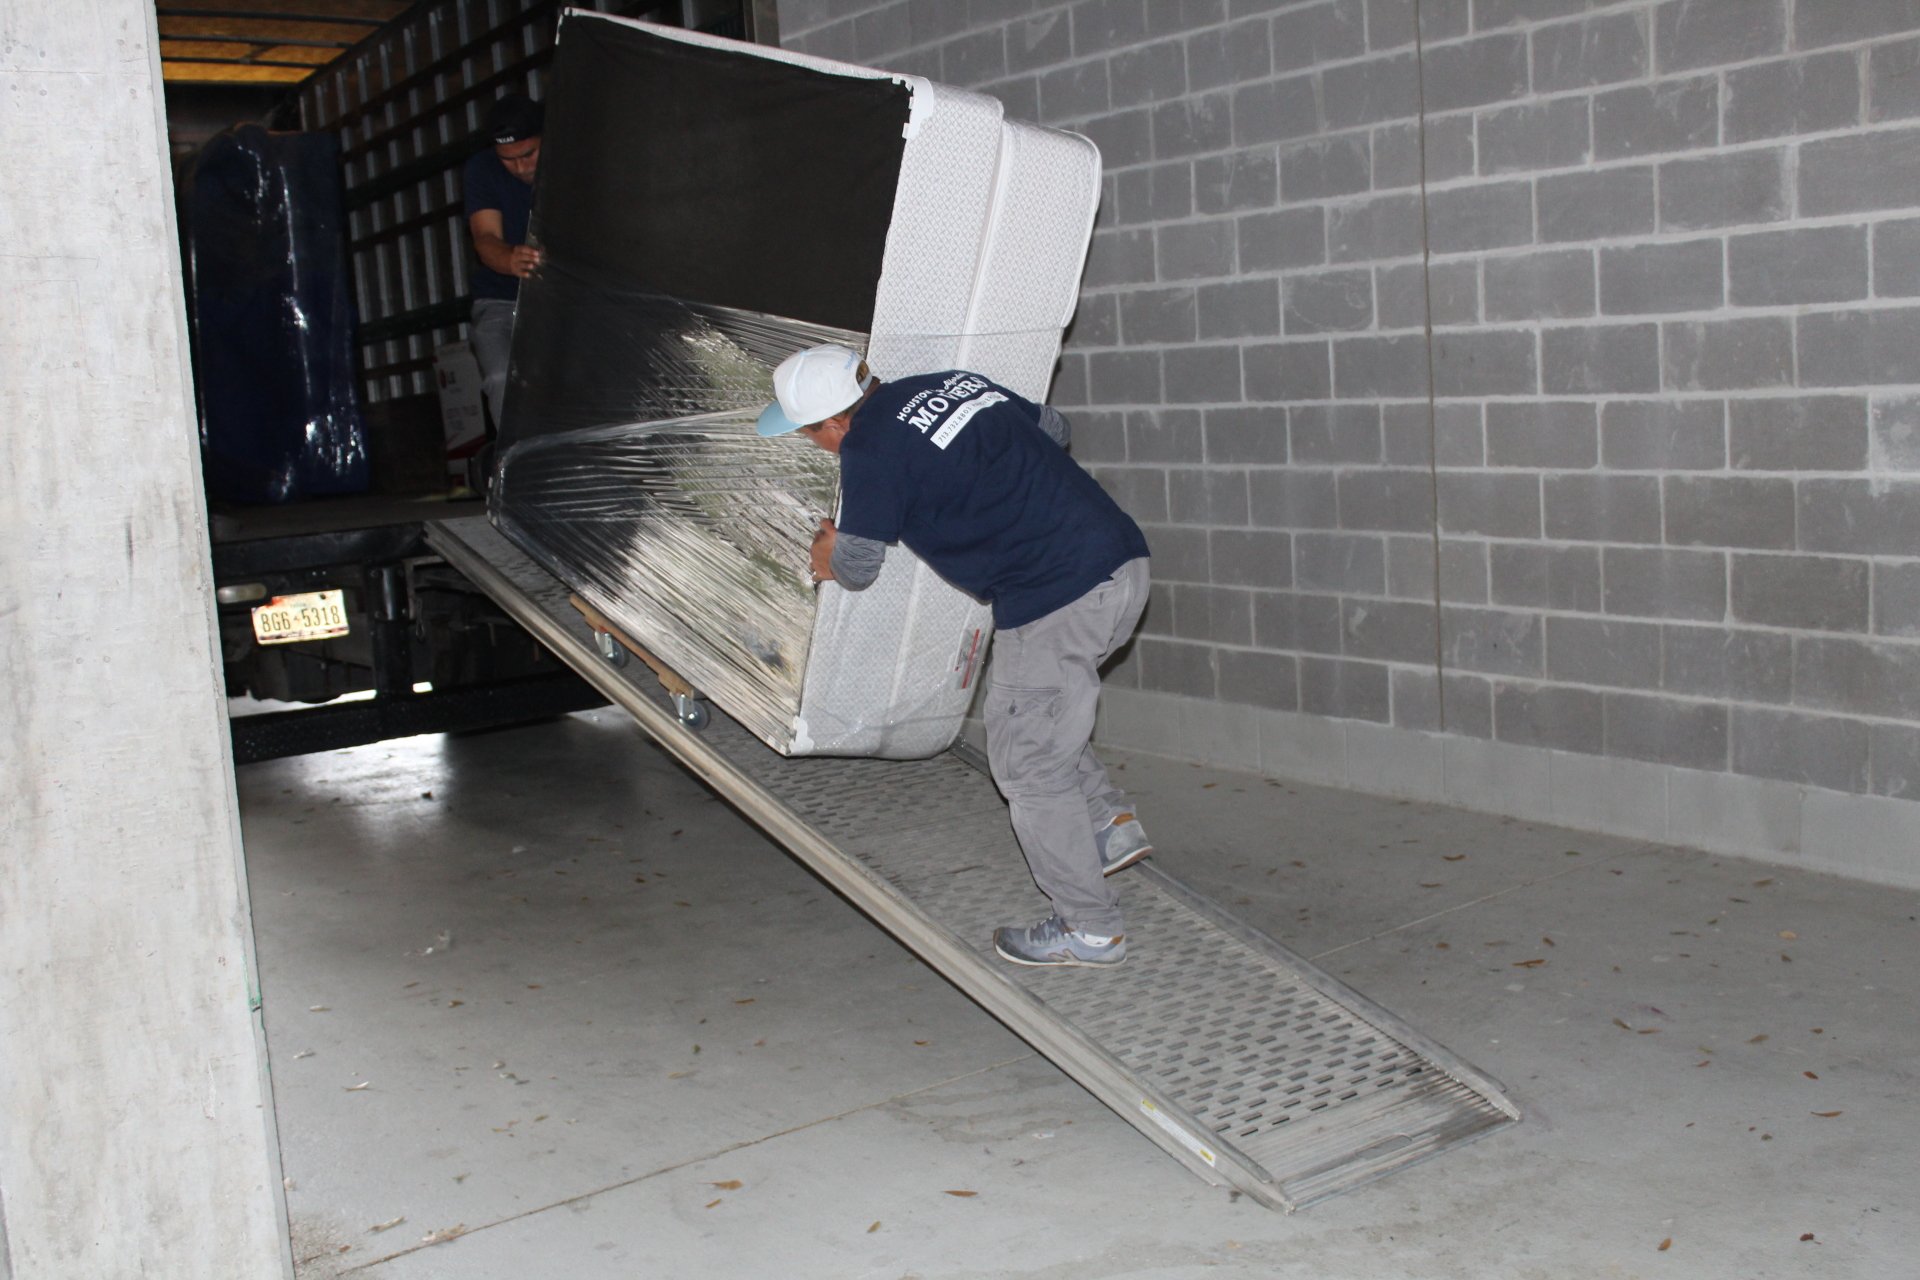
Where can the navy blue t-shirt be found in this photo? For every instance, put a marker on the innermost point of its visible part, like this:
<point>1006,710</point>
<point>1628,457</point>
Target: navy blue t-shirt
<point>957,469</point>
<point>489,186</point>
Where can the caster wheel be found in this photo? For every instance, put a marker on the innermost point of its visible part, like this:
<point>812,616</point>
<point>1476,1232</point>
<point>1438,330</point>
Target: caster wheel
<point>611,649</point>
<point>691,711</point>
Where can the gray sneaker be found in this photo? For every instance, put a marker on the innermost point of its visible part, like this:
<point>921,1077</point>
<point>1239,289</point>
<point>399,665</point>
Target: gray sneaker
<point>1122,842</point>
<point>1051,942</point>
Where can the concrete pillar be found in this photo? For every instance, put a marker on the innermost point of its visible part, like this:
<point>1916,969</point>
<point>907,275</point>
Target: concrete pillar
<point>135,1120</point>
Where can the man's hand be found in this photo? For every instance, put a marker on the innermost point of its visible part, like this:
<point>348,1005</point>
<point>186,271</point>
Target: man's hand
<point>823,540</point>
<point>516,260</point>
<point>523,260</point>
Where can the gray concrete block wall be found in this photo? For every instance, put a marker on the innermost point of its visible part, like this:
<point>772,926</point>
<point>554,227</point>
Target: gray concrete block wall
<point>1538,371</point>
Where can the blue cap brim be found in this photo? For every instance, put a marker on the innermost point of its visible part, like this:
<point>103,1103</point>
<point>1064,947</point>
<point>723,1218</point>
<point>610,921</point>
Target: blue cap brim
<point>773,422</point>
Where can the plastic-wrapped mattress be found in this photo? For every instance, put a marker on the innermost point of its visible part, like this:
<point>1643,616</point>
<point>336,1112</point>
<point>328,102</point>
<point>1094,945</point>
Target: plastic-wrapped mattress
<point>706,208</point>
<point>272,318</point>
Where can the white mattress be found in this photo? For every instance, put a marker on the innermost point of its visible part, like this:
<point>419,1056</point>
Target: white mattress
<point>981,271</point>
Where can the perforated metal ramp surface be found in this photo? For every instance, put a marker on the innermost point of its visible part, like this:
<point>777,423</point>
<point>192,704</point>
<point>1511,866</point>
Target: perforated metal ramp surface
<point>1242,1060</point>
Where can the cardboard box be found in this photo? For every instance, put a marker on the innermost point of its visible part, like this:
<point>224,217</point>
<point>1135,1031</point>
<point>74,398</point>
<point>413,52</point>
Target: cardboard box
<point>463,415</point>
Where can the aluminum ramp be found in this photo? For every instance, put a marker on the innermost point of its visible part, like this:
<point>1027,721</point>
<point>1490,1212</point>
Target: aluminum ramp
<point>1241,1060</point>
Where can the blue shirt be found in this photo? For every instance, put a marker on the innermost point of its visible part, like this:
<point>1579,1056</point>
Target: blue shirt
<point>488,185</point>
<point>957,469</point>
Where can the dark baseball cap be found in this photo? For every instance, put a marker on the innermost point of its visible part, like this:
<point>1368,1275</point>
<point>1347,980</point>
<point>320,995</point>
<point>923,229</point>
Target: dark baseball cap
<point>514,118</point>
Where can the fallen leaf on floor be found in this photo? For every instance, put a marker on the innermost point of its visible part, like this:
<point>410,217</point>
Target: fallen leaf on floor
<point>963,1194</point>
<point>1826,1115</point>
<point>678,903</point>
<point>1572,853</point>
<point>318,1008</point>
<point>1529,964</point>
<point>388,1225</point>
<point>923,1042</point>
<point>1648,1031</point>
<point>1809,1075</point>
<point>455,1004</point>
<point>1208,786</point>
<point>533,986</point>
<point>1623,1026</point>
<point>760,1043</point>
<point>1806,1237</point>
<point>1757,1039</point>
<point>1442,946</point>
<point>1435,885</point>
<point>1704,1062</point>
<point>304,1053</point>
<point>731,1184</point>
<point>426,795</point>
<point>1547,940</point>
<point>1453,857</point>
<point>1666,1244</point>
<point>748,1000</point>
<point>444,1234</point>
<point>1785,958</point>
<point>875,1227</point>
<point>1761,884</point>
<point>1789,935</point>
<point>355,1088</point>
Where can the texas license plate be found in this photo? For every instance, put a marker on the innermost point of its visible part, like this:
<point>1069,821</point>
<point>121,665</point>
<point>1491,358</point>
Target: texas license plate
<point>310,615</point>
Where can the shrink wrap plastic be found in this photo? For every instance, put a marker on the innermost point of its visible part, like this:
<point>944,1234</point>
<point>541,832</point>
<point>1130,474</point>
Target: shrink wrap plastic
<point>272,320</point>
<point>629,462</point>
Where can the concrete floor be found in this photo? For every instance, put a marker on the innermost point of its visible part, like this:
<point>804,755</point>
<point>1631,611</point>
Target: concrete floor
<point>539,1006</point>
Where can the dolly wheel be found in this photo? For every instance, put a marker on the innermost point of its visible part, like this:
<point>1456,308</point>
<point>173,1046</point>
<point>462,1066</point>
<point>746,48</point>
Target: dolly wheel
<point>691,710</point>
<point>610,648</point>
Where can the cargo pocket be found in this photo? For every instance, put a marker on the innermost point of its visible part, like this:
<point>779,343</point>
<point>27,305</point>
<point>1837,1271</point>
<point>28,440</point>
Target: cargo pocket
<point>1021,725</point>
<point>1013,702</point>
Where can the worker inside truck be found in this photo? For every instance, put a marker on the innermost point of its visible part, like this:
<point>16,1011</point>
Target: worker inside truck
<point>499,202</point>
<point>976,481</point>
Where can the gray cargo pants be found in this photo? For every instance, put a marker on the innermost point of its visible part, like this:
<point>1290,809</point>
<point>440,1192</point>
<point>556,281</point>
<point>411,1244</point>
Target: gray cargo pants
<point>1040,703</point>
<point>490,330</point>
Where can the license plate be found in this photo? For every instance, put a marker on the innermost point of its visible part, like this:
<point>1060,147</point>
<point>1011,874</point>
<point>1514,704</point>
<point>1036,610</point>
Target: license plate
<point>310,615</point>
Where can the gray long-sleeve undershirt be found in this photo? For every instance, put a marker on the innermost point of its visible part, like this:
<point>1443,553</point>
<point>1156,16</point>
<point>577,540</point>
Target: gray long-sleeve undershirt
<point>856,560</point>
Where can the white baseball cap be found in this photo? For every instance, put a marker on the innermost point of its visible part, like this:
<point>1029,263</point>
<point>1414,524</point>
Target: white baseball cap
<point>811,386</point>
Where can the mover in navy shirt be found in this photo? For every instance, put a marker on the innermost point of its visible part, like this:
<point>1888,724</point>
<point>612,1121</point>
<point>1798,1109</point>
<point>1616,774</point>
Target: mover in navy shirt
<point>498,182</point>
<point>957,469</point>
<point>975,480</point>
